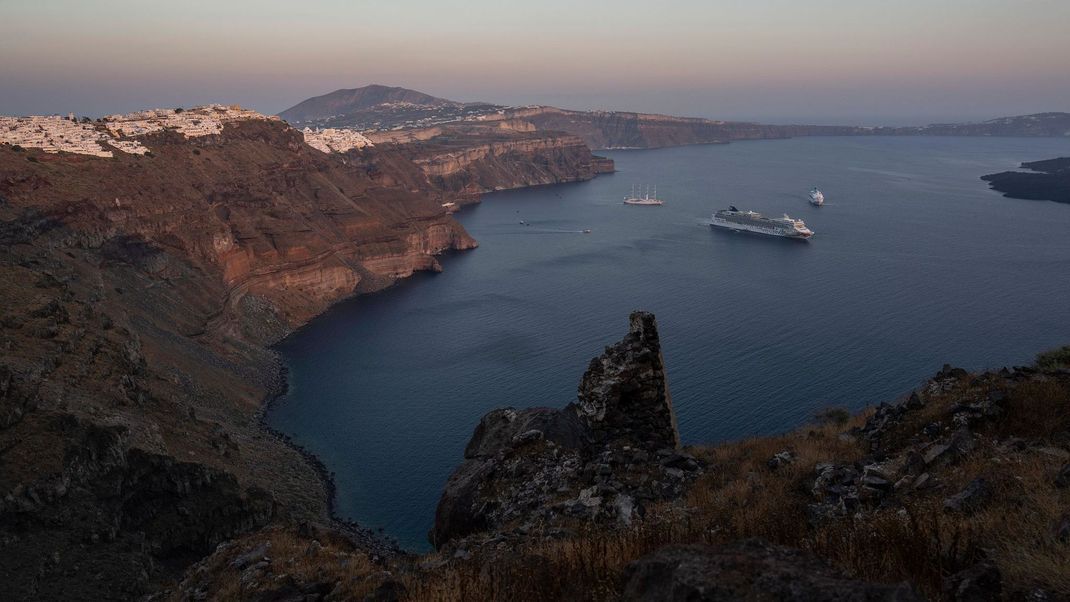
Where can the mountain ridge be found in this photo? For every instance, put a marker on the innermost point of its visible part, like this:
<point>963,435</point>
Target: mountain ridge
<point>601,129</point>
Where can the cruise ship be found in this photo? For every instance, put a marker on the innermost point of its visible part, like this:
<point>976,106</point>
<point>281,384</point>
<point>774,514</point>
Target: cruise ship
<point>817,198</point>
<point>752,221</point>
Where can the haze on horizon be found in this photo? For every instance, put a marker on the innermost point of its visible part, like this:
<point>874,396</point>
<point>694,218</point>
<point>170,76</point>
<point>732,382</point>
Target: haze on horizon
<point>824,61</point>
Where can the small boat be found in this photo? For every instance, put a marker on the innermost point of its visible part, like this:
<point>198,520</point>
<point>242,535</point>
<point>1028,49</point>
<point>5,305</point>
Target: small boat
<point>646,199</point>
<point>587,231</point>
<point>817,198</point>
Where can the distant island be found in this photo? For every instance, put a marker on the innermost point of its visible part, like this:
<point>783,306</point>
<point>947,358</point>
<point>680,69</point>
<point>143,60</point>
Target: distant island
<point>1047,180</point>
<point>379,108</point>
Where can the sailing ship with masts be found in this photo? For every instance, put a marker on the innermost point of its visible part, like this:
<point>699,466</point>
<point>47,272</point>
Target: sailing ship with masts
<point>646,199</point>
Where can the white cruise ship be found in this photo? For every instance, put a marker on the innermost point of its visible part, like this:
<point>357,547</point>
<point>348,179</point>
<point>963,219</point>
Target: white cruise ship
<point>817,198</point>
<point>752,221</point>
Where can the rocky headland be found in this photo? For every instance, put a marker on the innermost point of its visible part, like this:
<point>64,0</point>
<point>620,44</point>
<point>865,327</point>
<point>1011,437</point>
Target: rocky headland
<point>140,293</point>
<point>1047,180</point>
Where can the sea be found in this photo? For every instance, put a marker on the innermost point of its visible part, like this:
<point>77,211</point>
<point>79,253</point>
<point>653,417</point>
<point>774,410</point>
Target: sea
<point>914,263</point>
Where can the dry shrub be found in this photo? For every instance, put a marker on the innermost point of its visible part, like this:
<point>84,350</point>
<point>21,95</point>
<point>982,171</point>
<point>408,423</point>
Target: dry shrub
<point>1054,359</point>
<point>295,558</point>
<point>1037,408</point>
<point>738,496</point>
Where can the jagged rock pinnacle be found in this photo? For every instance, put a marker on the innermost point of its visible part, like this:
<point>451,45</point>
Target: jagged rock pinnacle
<point>624,394</point>
<point>591,460</point>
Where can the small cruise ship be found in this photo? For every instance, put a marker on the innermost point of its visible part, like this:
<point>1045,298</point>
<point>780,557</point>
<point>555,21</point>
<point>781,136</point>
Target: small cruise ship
<point>752,221</point>
<point>646,199</point>
<point>817,198</point>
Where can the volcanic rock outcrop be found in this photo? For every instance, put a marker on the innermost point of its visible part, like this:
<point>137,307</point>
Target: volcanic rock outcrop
<point>137,296</point>
<point>601,458</point>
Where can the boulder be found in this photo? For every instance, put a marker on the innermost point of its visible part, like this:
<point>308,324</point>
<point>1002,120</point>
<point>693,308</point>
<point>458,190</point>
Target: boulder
<point>970,499</point>
<point>1062,479</point>
<point>1061,531</point>
<point>502,428</point>
<point>780,459</point>
<point>747,570</point>
<point>980,583</point>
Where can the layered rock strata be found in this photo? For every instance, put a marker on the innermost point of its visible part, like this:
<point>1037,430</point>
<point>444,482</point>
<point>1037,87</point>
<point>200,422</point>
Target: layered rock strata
<point>468,161</point>
<point>137,296</point>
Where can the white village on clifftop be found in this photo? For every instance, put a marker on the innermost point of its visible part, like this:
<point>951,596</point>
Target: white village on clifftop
<point>335,140</point>
<point>54,134</point>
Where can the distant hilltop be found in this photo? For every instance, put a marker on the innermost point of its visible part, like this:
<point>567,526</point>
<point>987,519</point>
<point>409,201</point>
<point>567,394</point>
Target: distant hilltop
<point>379,108</point>
<point>1052,125</point>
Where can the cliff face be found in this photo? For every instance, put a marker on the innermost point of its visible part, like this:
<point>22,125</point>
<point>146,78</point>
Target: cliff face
<point>464,162</point>
<point>137,293</point>
<point>255,206</point>
<point>616,129</point>
<point>475,163</point>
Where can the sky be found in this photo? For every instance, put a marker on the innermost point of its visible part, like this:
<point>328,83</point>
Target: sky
<point>777,61</point>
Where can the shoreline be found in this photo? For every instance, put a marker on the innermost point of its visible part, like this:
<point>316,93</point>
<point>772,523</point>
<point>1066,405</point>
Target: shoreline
<point>371,541</point>
<point>328,477</point>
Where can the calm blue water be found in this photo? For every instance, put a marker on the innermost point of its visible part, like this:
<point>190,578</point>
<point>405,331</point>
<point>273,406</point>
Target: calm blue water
<point>915,263</point>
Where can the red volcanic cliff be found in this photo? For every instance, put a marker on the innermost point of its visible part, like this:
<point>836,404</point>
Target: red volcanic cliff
<point>618,129</point>
<point>255,206</point>
<point>136,296</point>
<point>469,160</point>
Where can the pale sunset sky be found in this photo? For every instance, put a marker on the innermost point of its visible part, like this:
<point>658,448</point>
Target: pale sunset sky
<point>778,61</point>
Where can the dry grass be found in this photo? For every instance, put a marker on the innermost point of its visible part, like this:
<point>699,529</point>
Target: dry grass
<point>1039,408</point>
<point>293,560</point>
<point>739,496</point>
<point>1054,359</point>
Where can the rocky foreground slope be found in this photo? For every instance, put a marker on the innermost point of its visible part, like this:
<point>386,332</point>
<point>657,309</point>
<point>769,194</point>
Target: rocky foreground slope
<point>138,293</point>
<point>959,491</point>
